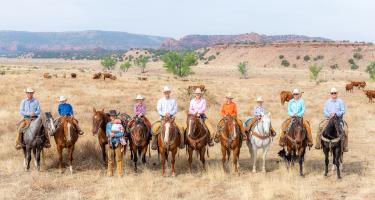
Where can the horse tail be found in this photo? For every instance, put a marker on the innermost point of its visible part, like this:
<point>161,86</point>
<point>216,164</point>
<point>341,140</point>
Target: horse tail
<point>43,157</point>
<point>208,153</point>
<point>149,151</point>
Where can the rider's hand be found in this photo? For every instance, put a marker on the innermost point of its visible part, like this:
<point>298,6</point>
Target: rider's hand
<point>31,114</point>
<point>198,115</point>
<point>167,115</point>
<point>112,134</point>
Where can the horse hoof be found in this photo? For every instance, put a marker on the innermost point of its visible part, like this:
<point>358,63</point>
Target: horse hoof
<point>173,175</point>
<point>302,175</point>
<point>339,177</point>
<point>71,169</point>
<point>263,171</point>
<point>254,171</point>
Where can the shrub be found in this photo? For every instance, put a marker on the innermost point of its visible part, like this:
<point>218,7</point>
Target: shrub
<point>108,63</point>
<point>179,63</point>
<point>210,58</point>
<point>141,62</point>
<point>319,57</point>
<point>354,66</point>
<point>333,67</point>
<point>294,66</point>
<point>371,70</point>
<point>243,69</point>
<point>281,57</point>
<point>217,53</point>
<point>285,63</point>
<point>306,58</point>
<point>125,66</point>
<point>298,57</point>
<point>351,61</point>
<point>357,56</point>
<point>315,70</point>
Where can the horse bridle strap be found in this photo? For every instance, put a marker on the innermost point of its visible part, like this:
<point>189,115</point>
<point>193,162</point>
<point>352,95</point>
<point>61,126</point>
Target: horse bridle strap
<point>335,140</point>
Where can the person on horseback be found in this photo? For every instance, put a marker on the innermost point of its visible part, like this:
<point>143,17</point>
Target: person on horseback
<point>114,135</point>
<point>198,107</point>
<point>334,106</point>
<point>65,109</point>
<point>30,110</point>
<point>259,112</point>
<point>296,109</point>
<point>140,111</point>
<point>229,108</point>
<point>166,106</point>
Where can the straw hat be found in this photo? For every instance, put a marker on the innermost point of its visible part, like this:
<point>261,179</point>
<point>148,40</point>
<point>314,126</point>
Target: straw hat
<point>29,90</point>
<point>62,98</point>
<point>139,97</point>
<point>296,91</point>
<point>333,90</point>
<point>166,89</point>
<point>198,91</point>
<point>229,96</point>
<point>259,99</point>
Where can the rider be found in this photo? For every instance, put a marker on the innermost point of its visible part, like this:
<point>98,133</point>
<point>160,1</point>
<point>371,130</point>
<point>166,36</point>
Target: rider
<point>198,107</point>
<point>334,106</point>
<point>296,108</point>
<point>229,108</point>
<point>259,112</point>
<point>140,111</point>
<point>30,110</point>
<point>166,107</point>
<point>65,109</point>
<point>114,143</point>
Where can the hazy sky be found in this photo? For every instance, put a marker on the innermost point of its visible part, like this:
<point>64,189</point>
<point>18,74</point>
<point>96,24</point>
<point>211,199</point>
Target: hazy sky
<point>335,19</point>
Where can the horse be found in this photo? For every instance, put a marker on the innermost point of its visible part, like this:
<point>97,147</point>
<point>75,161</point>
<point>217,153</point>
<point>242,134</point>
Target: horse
<point>296,143</point>
<point>99,122</point>
<point>169,139</point>
<point>140,136</point>
<point>332,141</point>
<point>196,138</point>
<point>34,139</point>
<point>66,136</point>
<point>230,140</point>
<point>260,137</point>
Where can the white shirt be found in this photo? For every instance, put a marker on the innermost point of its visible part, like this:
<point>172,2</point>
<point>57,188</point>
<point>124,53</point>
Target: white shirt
<point>167,106</point>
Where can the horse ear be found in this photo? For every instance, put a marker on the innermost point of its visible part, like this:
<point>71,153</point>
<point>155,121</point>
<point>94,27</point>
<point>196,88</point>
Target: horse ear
<point>93,109</point>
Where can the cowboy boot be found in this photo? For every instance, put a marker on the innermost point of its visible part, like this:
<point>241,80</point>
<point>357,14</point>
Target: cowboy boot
<point>80,132</point>
<point>18,140</point>
<point>47,144</point>
<point>110,163</point>
<point>282,139</point>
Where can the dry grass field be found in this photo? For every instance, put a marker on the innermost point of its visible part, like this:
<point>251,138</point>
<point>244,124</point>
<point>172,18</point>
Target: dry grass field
<point>89,179</point>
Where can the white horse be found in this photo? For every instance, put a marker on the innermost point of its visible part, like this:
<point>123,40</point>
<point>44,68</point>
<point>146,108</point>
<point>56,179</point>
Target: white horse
<point>260,137</point>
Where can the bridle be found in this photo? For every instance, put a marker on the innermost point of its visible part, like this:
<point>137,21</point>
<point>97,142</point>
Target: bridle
<point>332,141</point>
<point>257,133</point>
<point>296,121</point>
<point>194,139</point>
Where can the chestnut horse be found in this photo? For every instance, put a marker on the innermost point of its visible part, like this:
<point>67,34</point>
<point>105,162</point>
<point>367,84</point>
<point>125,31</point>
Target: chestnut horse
<point>168,140</point>
<point>196,138</point>
<point>230,140</point>
<point>66,136</point>
<point>139,140</point>
<point>99,122</point>
<point>296,143</point>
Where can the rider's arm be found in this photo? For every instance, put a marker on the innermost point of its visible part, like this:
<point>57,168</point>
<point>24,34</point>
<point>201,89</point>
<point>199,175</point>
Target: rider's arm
<point>202,107</point>
<point>22,108</point>
<point>174,107</point>
<point>222,111</point>
<point>160,108</point>
<point>290,111</point>
<point>108,129</point>
<point>234,110</point>
<point>341,112</point>
<point>37,110</point>
<point>71,110</point>
<point>302,110</point>
<point>326,111</point>
<point>191,107</point>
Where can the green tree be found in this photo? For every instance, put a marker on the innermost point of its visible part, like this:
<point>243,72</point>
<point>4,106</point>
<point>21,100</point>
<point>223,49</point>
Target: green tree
<point>243,69</point>
<point>315,70</point>
<point>141,62</point>
<point>357,56</point>
<point>371,70</point>
<point>108,63</point>
<point>179,63</point>
<point>125,66</point>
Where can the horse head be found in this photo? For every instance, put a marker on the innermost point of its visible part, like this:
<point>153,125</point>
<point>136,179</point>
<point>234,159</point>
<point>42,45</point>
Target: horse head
<point>192,125</point>
<point>265,123</point>
<point>333,128</point>
<point>48,123</point>
<point>98,120</point>
<point>167,127</point>
<point>138,131</point>
<point>230,127</point>
<point>68,128</point>
<point>297,130</point>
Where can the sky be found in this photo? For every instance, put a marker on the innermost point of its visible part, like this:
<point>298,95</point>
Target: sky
<point>335,19</point>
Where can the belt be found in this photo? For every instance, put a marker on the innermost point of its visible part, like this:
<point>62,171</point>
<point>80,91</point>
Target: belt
<point>28,117</point>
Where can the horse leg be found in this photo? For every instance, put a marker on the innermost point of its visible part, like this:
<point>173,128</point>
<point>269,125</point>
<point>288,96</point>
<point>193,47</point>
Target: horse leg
<point>223,159</point>
<point>254,157</point>
<point>135,157</point>
<point>24,157</point>
<point>203,160</point>
<point>301,159</point>
<point>37,158</point>
<point>265,151</point>
<point>162,153</point>
<point>250,150</point>
<point>59,152</point>
<point>190,160</point>
<point>35,162</point>
<point>336,157</point>
<point>28,157</point>
<point>71,150</point>
<point>326,155</point>
<point>174,152</point>
<point>144,153</point>
<point>104,155</point>
<point>236,152</point>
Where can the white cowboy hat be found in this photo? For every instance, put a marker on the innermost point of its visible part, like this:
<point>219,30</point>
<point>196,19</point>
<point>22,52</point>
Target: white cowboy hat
<point>62,98</point>
<point>229,96</point>
<point>166,89</point>
<point>296,91</point>
<point>139,97</point>
<point>333,90</point>
<point>259,99</point>
<point>29,90</point>
<point>198,91</point>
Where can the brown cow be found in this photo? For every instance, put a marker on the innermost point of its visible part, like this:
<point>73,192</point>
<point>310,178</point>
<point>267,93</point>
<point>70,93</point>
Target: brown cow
<point>362,85</point>
<point>73,75</point>
<point>97,75</point>
<point>47,75</point>
<point>349,87</point>
<point>286,96</point>
<point>109,75</point>
<point>370,94</point>
<point>358,84</point>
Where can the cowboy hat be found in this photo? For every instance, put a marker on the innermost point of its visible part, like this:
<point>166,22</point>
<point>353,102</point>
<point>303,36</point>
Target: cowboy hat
<point>259,99</point>
<point>296,91</point>
<point>62,98</point>
<point>29,90</point>
<point>229,96</point>
<point>139,97</point>
<point>166,89</point>
<point>198,91</point>
<point>112,113</point>
<point>333,90</point>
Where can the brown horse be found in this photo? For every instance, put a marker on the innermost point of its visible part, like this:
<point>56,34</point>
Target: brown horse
<point>231,140</point>
<point>296,143</point>
<point>197,138</point>
<point>99,122</point>
<point>66,136</point>
<point>139,140</point>
<point>168,140</point>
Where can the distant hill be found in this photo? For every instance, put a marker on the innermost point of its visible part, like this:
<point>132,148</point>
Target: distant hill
<point>199,41</point>
<point>20,41</point>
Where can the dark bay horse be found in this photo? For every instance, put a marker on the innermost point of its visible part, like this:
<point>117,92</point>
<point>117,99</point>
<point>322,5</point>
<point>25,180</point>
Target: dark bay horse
<point>34,139</point>
<point>296,143</point>
<point>66,136</point>
<point>197,139</point>
<point>99,122</point>
<point>332,141</point>
<point>230,140</point>
<point>140,136</point>
<point>168,141</point>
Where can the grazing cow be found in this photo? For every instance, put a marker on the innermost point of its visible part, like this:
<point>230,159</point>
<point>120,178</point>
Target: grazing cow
<point>362,85</point>
<point>370,94</point>
<point>47,75</point>
<point>358,84</point>
<point>97,75</point>
<point>73,75</point>
<point>349,87</point>
<point>109,75</point>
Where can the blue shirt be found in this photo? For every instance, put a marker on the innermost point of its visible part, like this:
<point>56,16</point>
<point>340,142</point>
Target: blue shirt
<point>296,107</point>
<point>334,106</point>
<point>65,109</point>
<point>259,111</point>
<point>114,140</point>
<point>28,106</point>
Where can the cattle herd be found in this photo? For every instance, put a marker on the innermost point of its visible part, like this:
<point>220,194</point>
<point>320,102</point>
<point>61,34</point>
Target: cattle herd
<point>360,85</point>
<point>49,76</point>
